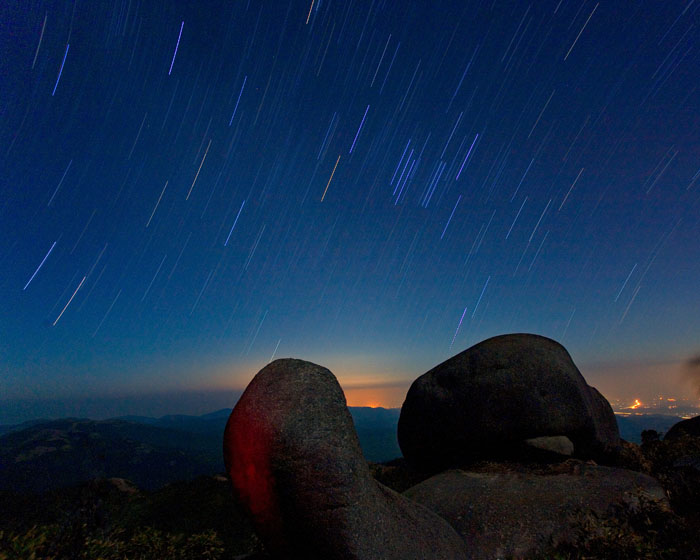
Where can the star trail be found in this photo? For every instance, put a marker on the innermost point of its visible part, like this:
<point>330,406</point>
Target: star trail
<point>190,188</point>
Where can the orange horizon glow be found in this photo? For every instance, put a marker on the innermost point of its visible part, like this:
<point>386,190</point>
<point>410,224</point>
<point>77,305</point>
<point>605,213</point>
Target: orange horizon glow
<point>375,397</point>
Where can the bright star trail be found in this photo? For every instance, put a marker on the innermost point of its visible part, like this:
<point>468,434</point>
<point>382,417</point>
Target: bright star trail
<point>58,79</point>
<point>39,267</point>
<point>177,45</point>
<point>373,186</point>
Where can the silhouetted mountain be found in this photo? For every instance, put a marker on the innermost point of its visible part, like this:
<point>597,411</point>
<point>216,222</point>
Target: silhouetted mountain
<point>631,427</point>
<point>193,424</point>
<point>70,451</point>
<point>222,413</point>
<point>7,428</point>
<point>43,454</point>
<point>376,428</point>
<point>46,454</point>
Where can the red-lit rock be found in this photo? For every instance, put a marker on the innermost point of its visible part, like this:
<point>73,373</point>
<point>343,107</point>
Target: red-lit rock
<point>295,461</point>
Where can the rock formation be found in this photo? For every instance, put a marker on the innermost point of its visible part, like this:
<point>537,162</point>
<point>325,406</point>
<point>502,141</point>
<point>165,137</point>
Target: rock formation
<point>690,426</point>
<point>504,515</point>
<point>295,462</point>
<point>488,400</point>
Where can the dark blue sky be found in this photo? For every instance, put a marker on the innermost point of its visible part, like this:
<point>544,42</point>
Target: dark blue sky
<point>191,188</point>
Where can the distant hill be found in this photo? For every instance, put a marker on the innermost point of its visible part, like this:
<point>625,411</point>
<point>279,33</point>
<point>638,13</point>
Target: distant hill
<point>151,452</point>
<point>631,427</point>
<point>70,451</point>
<point>213,423</point>
<point>376,429</point>
<point>46,454</point>
<point>7,428</point>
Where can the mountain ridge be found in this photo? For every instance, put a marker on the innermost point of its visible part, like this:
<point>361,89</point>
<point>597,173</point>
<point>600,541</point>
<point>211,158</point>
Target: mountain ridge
<point>44,454</point>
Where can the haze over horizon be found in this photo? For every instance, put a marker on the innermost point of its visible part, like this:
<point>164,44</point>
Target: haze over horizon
<point>620,387</point>
<point>374,186</point>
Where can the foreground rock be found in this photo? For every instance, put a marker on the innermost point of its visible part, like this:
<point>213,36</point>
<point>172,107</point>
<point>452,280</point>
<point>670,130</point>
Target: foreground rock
<point>524,515</point>
<point>676,463</point>
<point>488,400</point>
<point>556,445</point>
<point>295,462</point>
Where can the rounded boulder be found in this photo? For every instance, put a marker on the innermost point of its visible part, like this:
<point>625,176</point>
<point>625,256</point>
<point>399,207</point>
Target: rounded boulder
<point>485,402</point>
<point>295,463</point>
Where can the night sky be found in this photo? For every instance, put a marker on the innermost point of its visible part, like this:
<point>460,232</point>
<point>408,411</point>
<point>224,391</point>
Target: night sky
<point>190,189</point>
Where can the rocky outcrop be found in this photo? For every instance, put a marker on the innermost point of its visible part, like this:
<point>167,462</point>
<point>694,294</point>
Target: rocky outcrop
<point>690,427</point>
<point>524,514</point>
<point>295,462</point>
<point>676,463</point>
<point>556,445</point>
<point>488,400</point>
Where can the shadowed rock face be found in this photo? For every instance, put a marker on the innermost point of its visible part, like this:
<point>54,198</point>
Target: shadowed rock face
<point>525,515</point>
<point>485,401</point>
<point>295,461</point>
<point>691,427</point>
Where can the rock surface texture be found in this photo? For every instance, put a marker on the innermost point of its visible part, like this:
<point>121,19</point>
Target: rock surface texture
<point>526,515</point>
<point>486,401</point>
<point>558,445</point>
<point>294,460</point>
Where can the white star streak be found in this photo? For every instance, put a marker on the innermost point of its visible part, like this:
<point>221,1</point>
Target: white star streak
<point>459,325</point>
<point>71,299</point>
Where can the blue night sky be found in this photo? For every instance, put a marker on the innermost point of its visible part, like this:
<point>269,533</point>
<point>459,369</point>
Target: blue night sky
<point>190,189</point>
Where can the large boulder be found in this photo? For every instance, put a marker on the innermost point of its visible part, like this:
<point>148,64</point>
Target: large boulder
<point>676,463</point>
<point>488,400</point>
<point>517,515</point>
<point>690,427</point>
<point>295,462</point>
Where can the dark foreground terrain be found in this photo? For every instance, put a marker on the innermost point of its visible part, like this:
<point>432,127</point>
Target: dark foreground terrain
<point>150,452</point>
<point>147,488</point>
<point>113,519</point>
<point>44,455</point>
